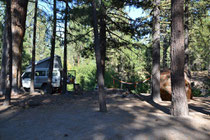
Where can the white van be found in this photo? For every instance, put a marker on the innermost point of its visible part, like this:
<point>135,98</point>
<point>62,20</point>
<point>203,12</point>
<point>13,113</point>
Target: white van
<point>41,77</point>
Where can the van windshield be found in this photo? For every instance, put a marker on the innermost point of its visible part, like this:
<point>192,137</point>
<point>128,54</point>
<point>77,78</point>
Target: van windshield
<point>27,75</point>
<point>40,73</point>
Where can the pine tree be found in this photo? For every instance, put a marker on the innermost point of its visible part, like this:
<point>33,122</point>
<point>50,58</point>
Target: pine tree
<point>100,77</point>
<point>156,53</point>
<point>18,13</point>
<point>103,35</point>
<point>64,89</point>
<point>34,49</point>
<point>179,99</point>
<point>7,57</point>
<point>186,27</point>
<point>49,88</point>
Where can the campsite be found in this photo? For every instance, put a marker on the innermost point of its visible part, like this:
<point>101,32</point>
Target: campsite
<point>104,70</point>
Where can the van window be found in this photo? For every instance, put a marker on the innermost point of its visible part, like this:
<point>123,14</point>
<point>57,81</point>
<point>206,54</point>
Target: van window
<point>40,73</point>
<point>27,75</point>
<point>55,73</point>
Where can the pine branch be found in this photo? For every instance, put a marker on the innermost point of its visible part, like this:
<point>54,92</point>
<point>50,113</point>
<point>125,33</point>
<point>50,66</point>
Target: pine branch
<point>125,41</point>
<point>80,36</point>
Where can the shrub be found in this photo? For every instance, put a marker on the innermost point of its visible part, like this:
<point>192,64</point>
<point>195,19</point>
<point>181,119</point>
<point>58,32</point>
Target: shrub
<point>86,75</point>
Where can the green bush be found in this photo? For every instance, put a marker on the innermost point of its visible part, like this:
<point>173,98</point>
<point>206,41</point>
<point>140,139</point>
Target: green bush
<point>115,83</point>
<point>196,92</point>
<point>86,75</point>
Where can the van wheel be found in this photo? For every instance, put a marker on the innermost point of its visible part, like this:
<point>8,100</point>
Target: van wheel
<point>44,88</point>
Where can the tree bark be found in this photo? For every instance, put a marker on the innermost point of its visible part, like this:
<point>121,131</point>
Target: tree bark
<point>4,57</point>
<point>100,77</point>
<point>34,49</point>
<point>186,41</point>
<point>7,65</point>
<point>19,13</point>
<point>103,36</point>
<point>156,53</point>
<point>65,53</point>
<point>20,70</point>
<point>52,50</point>
<point>179,99</point>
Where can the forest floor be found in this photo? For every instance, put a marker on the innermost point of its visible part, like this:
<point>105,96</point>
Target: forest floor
<point>76,117</point>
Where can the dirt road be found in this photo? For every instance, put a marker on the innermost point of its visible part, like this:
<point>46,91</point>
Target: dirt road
<point>76,117</point>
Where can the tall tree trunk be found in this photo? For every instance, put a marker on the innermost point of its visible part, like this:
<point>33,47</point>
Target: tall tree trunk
<point>65,52</point>
<point>103,36</point>
<point>186,41</point>
<point>34,49</point>
<point>4,57</point>
<point>165,48</point>
<point>20,69</point>
<point>19,13</point>
<point>52,50</point>
<point>156,53</point>
<point>179,99</point>
<point>100,77</point>
<point>7,65</point>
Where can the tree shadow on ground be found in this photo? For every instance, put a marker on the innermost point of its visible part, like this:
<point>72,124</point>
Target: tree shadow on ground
<point>202,110</point>
<point>25,101</point>
<point>202,107</point>
<point>148,99</point>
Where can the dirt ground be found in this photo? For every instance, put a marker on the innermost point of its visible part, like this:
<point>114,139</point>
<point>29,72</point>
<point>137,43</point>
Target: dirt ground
<point>76,117</point>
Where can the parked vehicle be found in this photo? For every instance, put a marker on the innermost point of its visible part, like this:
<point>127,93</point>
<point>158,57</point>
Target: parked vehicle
<point>41,77</point>
<point>41,74</point>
